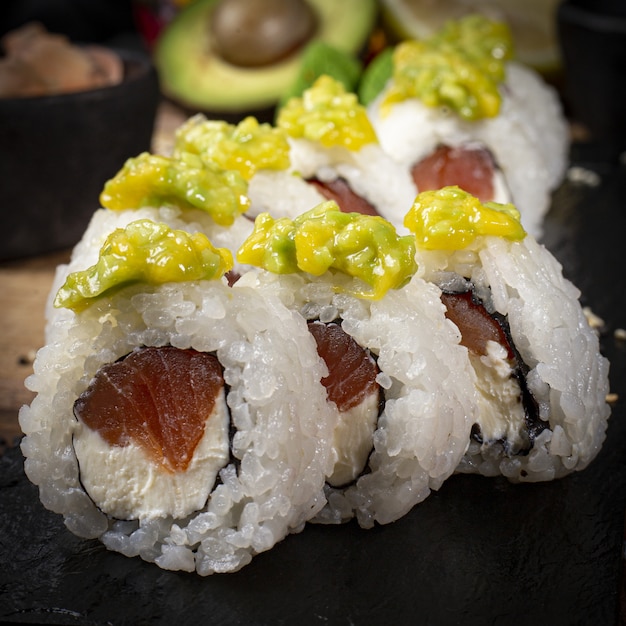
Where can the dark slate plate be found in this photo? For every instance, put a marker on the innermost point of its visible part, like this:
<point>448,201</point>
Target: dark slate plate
<point>480,551</point>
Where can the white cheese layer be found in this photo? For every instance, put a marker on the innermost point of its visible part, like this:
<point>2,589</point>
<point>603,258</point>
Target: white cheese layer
<point>501,409</point>
<point>352,440</point>
<point>126,483</point>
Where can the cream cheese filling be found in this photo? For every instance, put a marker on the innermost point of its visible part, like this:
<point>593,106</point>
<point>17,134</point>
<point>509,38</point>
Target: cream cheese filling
<point>352,440</point>
<point>126,483</point>
<point>502,415</point>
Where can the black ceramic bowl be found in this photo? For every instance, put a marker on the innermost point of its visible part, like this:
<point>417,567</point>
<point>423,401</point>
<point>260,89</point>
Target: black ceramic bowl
<point>56,153</point>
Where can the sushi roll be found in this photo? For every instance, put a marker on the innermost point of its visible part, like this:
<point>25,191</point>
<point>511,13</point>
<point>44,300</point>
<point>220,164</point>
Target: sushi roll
<point>397,377</point>
<point>182,192</point>
<point>210,198</point>
<point>335,148</point>
<point>260,153</point>
<point>218,177</point>
<point>541,381</point>
<point>176,418</point>
<point>458,110</point>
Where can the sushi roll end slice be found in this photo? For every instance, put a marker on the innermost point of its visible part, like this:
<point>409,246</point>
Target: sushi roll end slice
<point>176,418</point>
<point>542,381</point>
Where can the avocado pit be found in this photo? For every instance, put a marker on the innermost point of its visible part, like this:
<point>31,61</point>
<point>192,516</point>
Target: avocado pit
<point>249,33</point>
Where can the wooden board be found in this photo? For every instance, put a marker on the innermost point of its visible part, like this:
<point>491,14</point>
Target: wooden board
<point>24,286</point>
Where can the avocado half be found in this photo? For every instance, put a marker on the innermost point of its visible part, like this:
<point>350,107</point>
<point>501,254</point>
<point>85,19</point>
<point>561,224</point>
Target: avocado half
<point>192,74</point>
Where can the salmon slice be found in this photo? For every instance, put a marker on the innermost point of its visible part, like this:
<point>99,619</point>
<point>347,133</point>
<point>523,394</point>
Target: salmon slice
<point>351,370</point>
<point>477,326</point>
<point>351,385</point>
<point>158,398</point>
<point>340,191</point>
<point>469,167</point>
<point>232,277</point>
<point>509,411</point>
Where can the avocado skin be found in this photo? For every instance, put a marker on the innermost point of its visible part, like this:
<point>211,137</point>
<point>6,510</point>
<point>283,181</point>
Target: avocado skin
<point>194,77</point>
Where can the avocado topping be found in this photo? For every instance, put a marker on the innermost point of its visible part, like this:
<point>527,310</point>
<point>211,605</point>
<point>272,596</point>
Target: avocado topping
<point>144,251</point>
<point>246,147</point>
<point>460,67</point>
<point>186,181</point>
<point>328,114</point>
<point>451,219</point>
<point>323,239</point>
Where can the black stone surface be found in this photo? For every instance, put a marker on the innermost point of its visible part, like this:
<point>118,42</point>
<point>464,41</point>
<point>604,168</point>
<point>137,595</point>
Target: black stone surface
<point>480,551</point>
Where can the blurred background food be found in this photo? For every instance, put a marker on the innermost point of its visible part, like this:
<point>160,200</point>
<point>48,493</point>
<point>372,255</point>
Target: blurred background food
<point>532,23</point>
<point>229,59</point>
<point>82,100</point>
<point>236,56</point>
<point>39,63</point>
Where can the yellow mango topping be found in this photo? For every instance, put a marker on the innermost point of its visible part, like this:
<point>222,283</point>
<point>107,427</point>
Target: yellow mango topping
<point>245,148</point>
<point>328,114</point>
<point>324,239</point>
<point>148,252</point>
<point>451,219</point>
<point>460,67</point>
<point>186,182</point>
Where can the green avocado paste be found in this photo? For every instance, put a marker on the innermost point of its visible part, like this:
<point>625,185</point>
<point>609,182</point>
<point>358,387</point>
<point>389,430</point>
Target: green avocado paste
<point>328,114</point>
<point>186,181</point>
<point>451,219</point>
<point>323,239</point>
<point>460,67</point>
<point>148,252</point>
<point>246,147</point>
